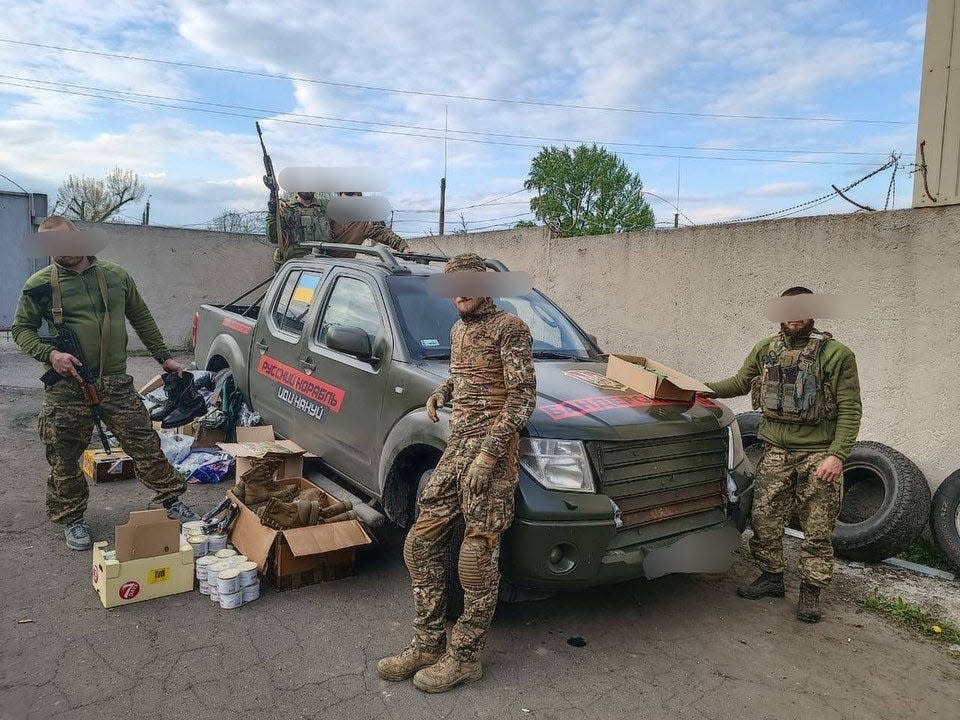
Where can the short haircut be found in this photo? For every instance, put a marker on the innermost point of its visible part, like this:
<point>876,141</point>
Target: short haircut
<point>796,290</point>
<point>58,222</point>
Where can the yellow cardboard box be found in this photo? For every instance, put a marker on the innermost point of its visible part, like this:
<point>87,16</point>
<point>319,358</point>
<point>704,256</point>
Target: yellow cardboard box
<point>107,467</point>
<point>148,564</point>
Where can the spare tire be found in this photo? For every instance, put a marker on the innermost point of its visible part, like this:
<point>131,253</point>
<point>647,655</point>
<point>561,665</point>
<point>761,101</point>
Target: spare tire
<point>886,504</point>
<point>945,518</point>
<point>749,423</point>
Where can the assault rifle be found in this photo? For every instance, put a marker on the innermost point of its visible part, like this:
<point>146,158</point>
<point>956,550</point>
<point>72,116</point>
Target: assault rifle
<point>68,342</point>
<point>270,180</point>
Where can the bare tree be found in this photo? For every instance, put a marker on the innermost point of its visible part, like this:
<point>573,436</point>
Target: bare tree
<point>99,199</point>
<point>236,221</point>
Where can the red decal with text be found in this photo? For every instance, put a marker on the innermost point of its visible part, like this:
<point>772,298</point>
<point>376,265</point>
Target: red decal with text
<point>327,395</point>
<point>129,590</point>
<point>237,325</point>
<point>588,406</point>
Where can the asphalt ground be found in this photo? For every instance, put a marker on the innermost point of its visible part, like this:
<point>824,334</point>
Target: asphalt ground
<point>678,647</point>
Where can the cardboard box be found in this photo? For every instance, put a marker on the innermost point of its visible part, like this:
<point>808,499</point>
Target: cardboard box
<point>299,556</point>
<point>149,562</point>
<point>254,442</point>
<point>102,467</point>
<point>633,371</point>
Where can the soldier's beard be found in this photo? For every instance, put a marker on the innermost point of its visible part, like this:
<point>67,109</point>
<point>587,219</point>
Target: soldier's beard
<point>69,261</point>
<point>795,333</point>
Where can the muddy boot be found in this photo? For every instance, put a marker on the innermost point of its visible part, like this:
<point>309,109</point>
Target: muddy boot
<point>767,585</point>
<point>349,515</point>
<point>808,608</point>
<point>446,674</point>
<point>310,494</point>
<point>403,666</point>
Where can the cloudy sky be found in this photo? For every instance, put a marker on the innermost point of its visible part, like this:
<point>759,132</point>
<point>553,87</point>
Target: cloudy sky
<point>705,87</point>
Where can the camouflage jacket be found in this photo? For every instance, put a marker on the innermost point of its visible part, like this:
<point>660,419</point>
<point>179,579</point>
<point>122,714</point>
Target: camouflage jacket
<point>492,384</point>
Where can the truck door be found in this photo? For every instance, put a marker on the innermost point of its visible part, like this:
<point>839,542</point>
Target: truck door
<point>351,422</point>
<point>275,371</point>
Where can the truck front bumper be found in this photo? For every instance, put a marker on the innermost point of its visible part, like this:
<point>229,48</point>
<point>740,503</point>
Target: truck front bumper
<point>561,551</point>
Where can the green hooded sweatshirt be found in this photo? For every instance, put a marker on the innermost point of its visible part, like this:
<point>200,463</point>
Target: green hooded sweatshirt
<point>836,436</point>
<point>83,312</point>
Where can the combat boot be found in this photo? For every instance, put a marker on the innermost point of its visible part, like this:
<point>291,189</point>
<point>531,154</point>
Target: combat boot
<point>257,481</point>
<point>279,515</point>
<point>808,607</point>
<point>404,665</point>
<point>767,585</point>
<point>77,534</point>
<point>173,386</point>
<point>189,405</point>
<point>446,674</point>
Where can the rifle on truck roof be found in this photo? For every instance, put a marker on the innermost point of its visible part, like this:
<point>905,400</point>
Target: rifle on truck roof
<point>270,180</point>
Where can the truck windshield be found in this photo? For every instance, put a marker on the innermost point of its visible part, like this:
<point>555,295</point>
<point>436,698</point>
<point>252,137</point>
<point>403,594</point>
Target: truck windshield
<point>426,321</point>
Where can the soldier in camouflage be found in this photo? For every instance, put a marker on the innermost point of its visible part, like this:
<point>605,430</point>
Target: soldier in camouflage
<point>806,385</point>
<point>305,220</point>
<point>65,422</point>
<point>492,389</point>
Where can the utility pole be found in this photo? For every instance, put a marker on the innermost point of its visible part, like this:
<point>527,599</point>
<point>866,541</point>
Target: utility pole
<point>443,180</point>
<point>145,219</point>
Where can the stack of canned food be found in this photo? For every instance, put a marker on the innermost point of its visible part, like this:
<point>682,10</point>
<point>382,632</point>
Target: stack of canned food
<point>224,575</point>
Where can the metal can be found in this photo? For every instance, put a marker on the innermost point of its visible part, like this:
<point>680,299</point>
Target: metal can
<point>225,553</point>
<point>248,573</point>
<point>199,545</point>
<point>216,541</point>
<point>228,601</point>
<point>204,588</point>
<point>228,581</point>
<point>251,592</point>
<point>193,527</point>
<point>238,559</point>
<point>201,572</point>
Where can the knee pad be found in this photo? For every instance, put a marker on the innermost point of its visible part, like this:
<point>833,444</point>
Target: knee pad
<point>474,565</point>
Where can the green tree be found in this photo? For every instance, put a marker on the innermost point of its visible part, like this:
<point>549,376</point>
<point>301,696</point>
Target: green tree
<point>587,190</point>
<point>99,199</point>
<point>525,224</point>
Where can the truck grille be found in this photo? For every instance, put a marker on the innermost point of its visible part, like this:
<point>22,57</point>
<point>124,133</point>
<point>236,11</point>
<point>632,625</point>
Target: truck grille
<point>654,481</point>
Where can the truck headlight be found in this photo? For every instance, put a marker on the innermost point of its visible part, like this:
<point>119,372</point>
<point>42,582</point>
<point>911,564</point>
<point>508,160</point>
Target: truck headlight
<point>735,454</point>
<point>557,464</point>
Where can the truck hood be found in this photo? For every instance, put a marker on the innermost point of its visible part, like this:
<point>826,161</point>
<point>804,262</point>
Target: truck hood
<point>575,401</point>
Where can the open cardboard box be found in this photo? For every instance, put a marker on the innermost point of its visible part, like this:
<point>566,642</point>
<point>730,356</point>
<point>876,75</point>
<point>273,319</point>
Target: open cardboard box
<point>629,370</point>
<point>149,562</point>
<point>254,442</point>
<point>298,556</point>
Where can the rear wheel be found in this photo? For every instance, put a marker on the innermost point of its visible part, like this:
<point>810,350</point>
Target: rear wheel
<point>749,423</point>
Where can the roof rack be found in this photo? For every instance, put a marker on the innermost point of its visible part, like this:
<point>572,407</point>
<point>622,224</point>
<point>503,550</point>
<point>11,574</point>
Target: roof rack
<point>495,265</point>
<point>381,252</point>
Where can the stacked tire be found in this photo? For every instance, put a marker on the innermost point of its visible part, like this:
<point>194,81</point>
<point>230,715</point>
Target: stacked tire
<point>945,518</point>
<point>886,497</point>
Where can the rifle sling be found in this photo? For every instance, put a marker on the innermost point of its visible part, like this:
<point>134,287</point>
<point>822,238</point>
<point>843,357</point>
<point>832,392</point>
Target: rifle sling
<point>56,309</point>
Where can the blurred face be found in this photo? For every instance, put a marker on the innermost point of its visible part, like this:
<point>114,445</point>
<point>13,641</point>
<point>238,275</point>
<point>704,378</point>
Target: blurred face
<point>467,305</point>
<point>796,328</point>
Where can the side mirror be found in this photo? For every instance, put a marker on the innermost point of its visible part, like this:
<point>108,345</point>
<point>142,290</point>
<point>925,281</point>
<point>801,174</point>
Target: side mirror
<point>351,341</point>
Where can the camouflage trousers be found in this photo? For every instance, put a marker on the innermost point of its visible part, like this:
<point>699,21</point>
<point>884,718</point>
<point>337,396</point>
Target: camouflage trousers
<point>66,426</point>
<point>487,516</point>
<point>787,484</point>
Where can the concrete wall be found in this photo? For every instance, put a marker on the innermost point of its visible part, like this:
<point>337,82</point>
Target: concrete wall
<point>693,299</point>
<point>19,214</point>
<point>177,270</point>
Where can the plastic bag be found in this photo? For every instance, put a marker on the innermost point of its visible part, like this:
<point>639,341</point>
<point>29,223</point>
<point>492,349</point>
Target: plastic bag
<point>204,467</point>
<point>175,447</point>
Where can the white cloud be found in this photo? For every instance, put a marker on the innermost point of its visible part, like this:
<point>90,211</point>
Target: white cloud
<point>784,188</point>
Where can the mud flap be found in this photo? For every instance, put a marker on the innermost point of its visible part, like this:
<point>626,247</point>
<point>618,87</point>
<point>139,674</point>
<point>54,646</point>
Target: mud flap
<point>703,552</point>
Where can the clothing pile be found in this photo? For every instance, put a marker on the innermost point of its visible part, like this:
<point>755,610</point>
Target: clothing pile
<point>282,507</point>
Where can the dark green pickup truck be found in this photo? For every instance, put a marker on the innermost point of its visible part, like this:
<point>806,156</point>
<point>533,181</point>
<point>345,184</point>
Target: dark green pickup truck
<point>340,355</point>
